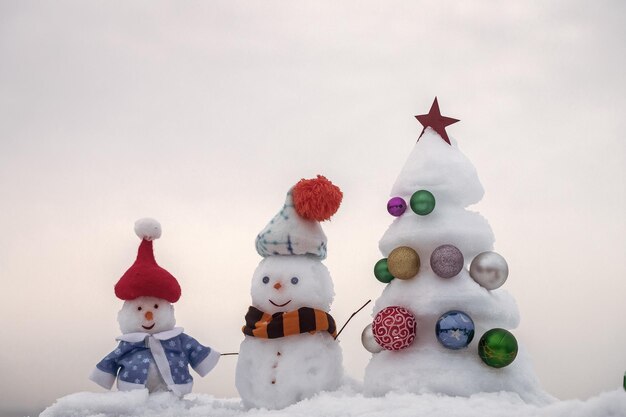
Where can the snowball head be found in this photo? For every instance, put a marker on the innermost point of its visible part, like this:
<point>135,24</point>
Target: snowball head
<point>148,229</point>
<point>146,315</point>
<point>316,199</point>
<point>285,283</point>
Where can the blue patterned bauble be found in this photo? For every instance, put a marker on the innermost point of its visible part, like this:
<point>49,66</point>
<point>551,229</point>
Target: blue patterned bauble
<point>455,330</point>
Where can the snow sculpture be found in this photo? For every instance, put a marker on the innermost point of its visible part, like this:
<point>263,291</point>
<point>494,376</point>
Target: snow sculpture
<point>428,203</point>
<point>289,352</point>
<point>152,353</point>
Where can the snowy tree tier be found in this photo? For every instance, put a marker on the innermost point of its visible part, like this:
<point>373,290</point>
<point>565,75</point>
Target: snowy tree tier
<point>424,368</point>
<point>440,169</point>
<point>467,230</point>
<point>428,296</point>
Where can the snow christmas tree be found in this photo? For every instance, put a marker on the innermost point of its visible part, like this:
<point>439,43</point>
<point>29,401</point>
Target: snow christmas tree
<point>442,324</point>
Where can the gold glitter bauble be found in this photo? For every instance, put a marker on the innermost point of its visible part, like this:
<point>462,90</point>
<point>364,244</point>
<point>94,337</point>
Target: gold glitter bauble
<point>403,262</point>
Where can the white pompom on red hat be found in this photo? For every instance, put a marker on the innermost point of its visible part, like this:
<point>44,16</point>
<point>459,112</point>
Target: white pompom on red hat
<point>148,229</point>
<point>145,278</point>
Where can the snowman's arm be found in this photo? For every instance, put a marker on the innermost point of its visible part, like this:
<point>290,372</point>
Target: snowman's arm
<point>104,379</point>
<point>106,370</point>
<point>201,358</point>
<point>208,363</point>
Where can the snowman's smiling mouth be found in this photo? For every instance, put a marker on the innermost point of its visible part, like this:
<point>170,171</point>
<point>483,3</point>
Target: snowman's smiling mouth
<point>149,327</point>
<point>280,305</point>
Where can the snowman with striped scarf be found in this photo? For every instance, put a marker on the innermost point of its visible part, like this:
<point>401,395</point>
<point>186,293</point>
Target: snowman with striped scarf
<point>289,352</point>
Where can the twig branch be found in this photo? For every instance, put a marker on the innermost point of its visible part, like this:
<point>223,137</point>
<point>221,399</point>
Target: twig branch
<point>350,318</point>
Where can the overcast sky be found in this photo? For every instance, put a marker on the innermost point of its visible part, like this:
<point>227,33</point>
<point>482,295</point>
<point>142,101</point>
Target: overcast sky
<point>203,114</point>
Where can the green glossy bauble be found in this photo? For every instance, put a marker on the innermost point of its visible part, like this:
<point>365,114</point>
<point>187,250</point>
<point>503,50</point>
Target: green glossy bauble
<point>497,348</point>
<point>381,271</point>
<point>422,202</point>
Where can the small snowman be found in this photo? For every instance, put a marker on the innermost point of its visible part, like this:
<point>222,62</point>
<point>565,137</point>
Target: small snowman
<point>289,352</point>
<point>152,353</point>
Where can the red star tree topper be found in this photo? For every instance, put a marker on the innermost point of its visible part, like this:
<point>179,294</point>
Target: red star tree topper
<point>435,120</point>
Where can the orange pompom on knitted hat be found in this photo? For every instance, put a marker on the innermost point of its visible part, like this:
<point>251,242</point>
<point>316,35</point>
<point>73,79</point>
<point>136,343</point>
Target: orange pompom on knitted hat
<point>295,230</point>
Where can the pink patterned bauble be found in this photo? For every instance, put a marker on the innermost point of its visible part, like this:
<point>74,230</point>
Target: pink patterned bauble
<point>394,328</point>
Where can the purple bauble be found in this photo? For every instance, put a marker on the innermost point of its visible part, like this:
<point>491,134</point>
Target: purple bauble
<point>396,206</point>
<point>446,261</point>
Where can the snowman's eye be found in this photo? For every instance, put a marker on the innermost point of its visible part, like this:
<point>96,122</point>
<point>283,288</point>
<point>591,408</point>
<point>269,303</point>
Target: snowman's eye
<point>294,280</point>
<point>266,280</point>
<point>138,308</point>
<point>156,306</point>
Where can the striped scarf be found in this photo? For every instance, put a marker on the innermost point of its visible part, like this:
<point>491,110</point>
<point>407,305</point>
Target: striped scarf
<point>302,320</point>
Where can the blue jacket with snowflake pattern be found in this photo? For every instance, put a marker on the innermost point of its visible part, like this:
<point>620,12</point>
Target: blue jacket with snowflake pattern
<point>131,360</point>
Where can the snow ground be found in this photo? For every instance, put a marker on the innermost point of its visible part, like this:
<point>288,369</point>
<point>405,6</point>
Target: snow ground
<point>346,402</point>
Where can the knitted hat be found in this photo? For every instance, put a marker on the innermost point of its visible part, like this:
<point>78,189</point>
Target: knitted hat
<point>145,278</point>
<point>296,230</point>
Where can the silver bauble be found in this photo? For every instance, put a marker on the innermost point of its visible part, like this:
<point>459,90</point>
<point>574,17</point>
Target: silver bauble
<point>369,343</point>
<point>489,270</point>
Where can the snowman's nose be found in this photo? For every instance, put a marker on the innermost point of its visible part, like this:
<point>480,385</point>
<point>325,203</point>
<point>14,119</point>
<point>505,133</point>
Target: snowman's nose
<point>148,315</point>
<point>278,285</point>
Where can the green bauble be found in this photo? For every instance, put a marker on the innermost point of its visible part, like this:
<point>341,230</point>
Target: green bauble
<point>422,202</point>
<point>381,271</point>
<point>497,348</point>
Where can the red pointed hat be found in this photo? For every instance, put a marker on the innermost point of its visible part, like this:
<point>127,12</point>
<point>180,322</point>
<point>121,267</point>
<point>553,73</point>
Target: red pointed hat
<point>145,278</point>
